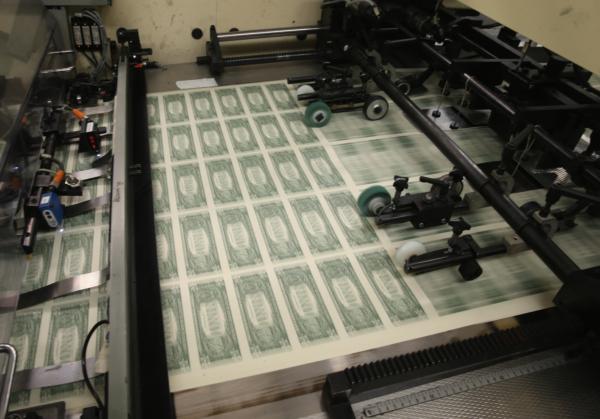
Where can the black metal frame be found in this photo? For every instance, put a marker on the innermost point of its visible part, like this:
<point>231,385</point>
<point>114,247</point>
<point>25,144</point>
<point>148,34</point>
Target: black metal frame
<point>217,62</point>
<point>386,376</point>
<point>148,383</point>
<point>537,93</point>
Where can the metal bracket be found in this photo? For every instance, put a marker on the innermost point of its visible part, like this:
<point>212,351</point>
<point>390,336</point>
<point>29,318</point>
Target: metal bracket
<point>90,174</point>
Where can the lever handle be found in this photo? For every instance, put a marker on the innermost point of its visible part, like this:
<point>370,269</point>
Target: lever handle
<point>433,181</point>
<point>400,182</point>
<point>459,225</point>
<point>11,366</point>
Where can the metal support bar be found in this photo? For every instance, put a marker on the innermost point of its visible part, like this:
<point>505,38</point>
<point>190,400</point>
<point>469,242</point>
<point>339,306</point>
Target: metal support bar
<point>53,375</point>
<point>544,247</point>
<point>472,84</point>
<point>86,206</point>
<point>62,52</point>
<point>150,384</point>
<point>57,70</point>
<point>270,33</point>
<point>270,58</point>
<point>119,378</point>
<point>61,288</point>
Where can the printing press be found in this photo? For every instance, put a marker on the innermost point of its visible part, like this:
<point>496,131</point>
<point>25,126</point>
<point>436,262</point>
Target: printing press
<point>395,214</point>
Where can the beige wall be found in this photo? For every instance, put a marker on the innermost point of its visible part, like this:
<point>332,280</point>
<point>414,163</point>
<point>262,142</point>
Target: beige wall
<point>166,25</point>
<point>570,28</point>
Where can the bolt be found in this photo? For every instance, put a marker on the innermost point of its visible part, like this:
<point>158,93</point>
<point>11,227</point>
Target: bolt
<point>444,221</point>
<point>436,113</point>
<point>421,225</point>
<point>453,125</point>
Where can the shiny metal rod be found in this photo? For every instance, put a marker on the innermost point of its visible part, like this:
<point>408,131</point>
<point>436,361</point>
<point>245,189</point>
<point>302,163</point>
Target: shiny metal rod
<point>11,366</point>
<point>269,33</point>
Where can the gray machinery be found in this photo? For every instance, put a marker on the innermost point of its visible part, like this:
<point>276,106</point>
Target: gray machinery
<point>40,91</point>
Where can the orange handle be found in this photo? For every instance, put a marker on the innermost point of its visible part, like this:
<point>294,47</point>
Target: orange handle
<point>78,114</point>
<point>58,178</point>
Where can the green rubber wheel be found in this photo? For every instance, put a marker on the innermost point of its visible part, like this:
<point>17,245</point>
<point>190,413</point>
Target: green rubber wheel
<point>317,114</point>
<point>372,200</point>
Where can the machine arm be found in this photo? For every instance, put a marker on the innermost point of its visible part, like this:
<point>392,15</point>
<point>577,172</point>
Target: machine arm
<point>545,248</point>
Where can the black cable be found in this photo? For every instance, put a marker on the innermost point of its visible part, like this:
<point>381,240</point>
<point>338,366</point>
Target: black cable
<point>60,164</point>
<point>91,59</point>
<point>86,378</point>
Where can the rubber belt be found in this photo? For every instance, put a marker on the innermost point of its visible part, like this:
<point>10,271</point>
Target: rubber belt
<point>85,206</point>
<point>54,375</point>
<point>62,288</point>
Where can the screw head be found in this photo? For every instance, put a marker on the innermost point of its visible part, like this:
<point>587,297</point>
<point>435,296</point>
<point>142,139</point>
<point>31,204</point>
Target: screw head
<point>197,33</point>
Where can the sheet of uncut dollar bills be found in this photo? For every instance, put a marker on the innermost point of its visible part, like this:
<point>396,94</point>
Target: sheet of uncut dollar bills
<point>52,333</point>
<point>265,262</point>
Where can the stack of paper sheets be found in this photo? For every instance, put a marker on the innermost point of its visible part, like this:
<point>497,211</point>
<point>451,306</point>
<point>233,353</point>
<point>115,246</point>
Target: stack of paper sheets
<point>265,262</point>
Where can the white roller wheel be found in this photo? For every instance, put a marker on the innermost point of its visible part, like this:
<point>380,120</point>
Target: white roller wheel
<point>408,249</point>
<point>377,204</point>
<point>304,90</point>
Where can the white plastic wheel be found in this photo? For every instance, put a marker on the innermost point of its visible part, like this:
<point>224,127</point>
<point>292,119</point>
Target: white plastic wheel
<point>304,89</point>
<point>408,249</point>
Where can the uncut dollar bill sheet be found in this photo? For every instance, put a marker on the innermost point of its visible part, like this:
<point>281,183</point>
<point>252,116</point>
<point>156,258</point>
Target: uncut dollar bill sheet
<point>52,333</point>
<point>265,262</point>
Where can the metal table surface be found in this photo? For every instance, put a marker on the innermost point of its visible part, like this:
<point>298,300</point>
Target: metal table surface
<point>163,79</point>
<point>293,392</point>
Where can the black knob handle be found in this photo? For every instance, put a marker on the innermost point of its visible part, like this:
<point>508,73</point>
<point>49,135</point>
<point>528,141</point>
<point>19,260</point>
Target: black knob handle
<point>458,226</point>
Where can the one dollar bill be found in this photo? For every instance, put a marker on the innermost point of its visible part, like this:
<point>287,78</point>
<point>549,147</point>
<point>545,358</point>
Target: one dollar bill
<point>178,359</point>
<point>316,227</point>
<point>215,330</point>
<point>398,300</point>
<point>240,242</point>
<point>356,228</point>
<point>309,313</point>
<point>189,192</point>
<point>349,296</point>
<point>262,320</point>
<point>277,231</point>
<point>200,248</point>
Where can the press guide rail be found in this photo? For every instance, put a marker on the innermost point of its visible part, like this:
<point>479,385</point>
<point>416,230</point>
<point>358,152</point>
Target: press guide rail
<point>468,383</point>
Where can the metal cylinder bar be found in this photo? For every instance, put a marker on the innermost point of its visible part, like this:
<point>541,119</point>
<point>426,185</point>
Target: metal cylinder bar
<point>529,231</point>
<point>57,70</point>
<point>270,58</point>
<point>402,41</point>
<point>492,99</point>
<point>269,33</point>
<point>7,381</point>
<point>62,52</point>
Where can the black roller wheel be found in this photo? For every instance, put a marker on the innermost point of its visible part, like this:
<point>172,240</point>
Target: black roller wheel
<point>470,270</point>
<point>375,107</point>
